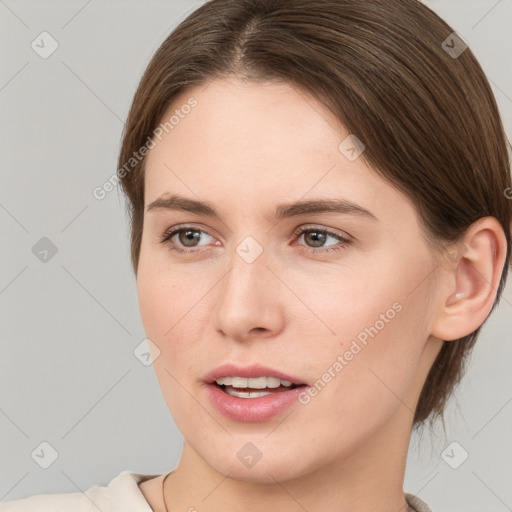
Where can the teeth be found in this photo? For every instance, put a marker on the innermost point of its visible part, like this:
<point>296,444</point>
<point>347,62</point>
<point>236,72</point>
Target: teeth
<point>253,382</point>
<point>250,394</point>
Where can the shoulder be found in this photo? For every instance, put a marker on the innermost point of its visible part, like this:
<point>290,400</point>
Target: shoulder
<point>120,494</point>
<point>49,502</point>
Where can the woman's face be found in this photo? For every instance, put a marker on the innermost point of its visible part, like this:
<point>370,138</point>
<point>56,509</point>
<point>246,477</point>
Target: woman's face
<point>349,320</point>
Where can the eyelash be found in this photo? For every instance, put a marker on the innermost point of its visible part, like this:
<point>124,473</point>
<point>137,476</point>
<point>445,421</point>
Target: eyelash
<point>173,231</point>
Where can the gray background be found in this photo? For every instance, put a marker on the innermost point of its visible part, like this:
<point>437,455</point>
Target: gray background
<point>68,374</point>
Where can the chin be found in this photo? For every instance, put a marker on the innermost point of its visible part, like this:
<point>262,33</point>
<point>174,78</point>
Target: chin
<point>266,470</point>
<point>260,474</point>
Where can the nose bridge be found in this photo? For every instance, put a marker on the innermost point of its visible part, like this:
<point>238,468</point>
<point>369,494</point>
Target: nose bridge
<point>247,297</point>
<point>248,273</point>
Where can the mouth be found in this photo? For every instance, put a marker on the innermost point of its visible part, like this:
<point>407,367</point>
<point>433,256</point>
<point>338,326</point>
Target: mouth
<point>253,387</point>
<point>252,393</point>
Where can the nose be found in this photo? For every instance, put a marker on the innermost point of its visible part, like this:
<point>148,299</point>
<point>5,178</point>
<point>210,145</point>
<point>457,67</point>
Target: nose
<point>249,301</point>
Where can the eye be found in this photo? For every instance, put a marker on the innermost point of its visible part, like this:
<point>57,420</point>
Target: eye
<point>187,235</point>
<point>318,238</point>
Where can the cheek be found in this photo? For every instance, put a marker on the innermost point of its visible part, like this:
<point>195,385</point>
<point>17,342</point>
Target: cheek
<point>154,306</point>
<point>160,293</point>
<point>365,363</point>
<point>171,306</point>
<point>169,323</point>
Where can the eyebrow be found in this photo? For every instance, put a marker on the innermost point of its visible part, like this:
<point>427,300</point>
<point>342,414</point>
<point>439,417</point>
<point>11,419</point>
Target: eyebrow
<point>282,211</point>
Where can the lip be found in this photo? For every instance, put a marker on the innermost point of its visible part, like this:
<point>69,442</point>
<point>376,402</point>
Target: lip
<point>251,409</point>
<point>254,370</point>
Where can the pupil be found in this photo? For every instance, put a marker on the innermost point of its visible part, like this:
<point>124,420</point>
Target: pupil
<point>189,237</point>
<point>317,237</point>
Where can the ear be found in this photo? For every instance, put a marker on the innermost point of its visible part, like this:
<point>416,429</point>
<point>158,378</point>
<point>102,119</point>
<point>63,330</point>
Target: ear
<point>473,271</point>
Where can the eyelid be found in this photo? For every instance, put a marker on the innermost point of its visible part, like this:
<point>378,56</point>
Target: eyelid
<point>321,229</point>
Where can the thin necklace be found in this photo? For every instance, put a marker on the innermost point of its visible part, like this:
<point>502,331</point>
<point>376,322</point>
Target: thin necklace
<point>163,493</point>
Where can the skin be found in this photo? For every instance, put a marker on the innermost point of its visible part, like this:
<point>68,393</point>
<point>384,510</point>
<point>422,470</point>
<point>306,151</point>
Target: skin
<point>247,147</point>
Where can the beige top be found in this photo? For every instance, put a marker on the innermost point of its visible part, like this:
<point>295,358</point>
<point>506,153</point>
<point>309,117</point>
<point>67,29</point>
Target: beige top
<point>122,494</point>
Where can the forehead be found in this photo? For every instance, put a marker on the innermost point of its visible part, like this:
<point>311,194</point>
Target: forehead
<point>256,143</point>
<point>271,119</point>
<point>236,120</point>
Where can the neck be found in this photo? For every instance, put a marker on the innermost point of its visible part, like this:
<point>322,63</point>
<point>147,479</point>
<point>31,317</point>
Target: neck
<point>370,477</point>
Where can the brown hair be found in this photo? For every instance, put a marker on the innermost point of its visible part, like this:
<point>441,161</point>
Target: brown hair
<point>428,118</point>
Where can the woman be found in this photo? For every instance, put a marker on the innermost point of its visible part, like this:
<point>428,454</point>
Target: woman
<point>320,226</point>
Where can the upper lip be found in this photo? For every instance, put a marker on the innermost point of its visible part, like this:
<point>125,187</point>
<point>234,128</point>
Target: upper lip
<point>254,370</point>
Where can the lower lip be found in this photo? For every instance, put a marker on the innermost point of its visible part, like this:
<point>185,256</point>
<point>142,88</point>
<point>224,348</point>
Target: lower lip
<point>252,409</point>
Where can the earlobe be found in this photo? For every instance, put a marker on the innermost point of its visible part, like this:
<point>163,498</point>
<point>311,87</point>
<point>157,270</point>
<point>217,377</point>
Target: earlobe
<point>473,279</point>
